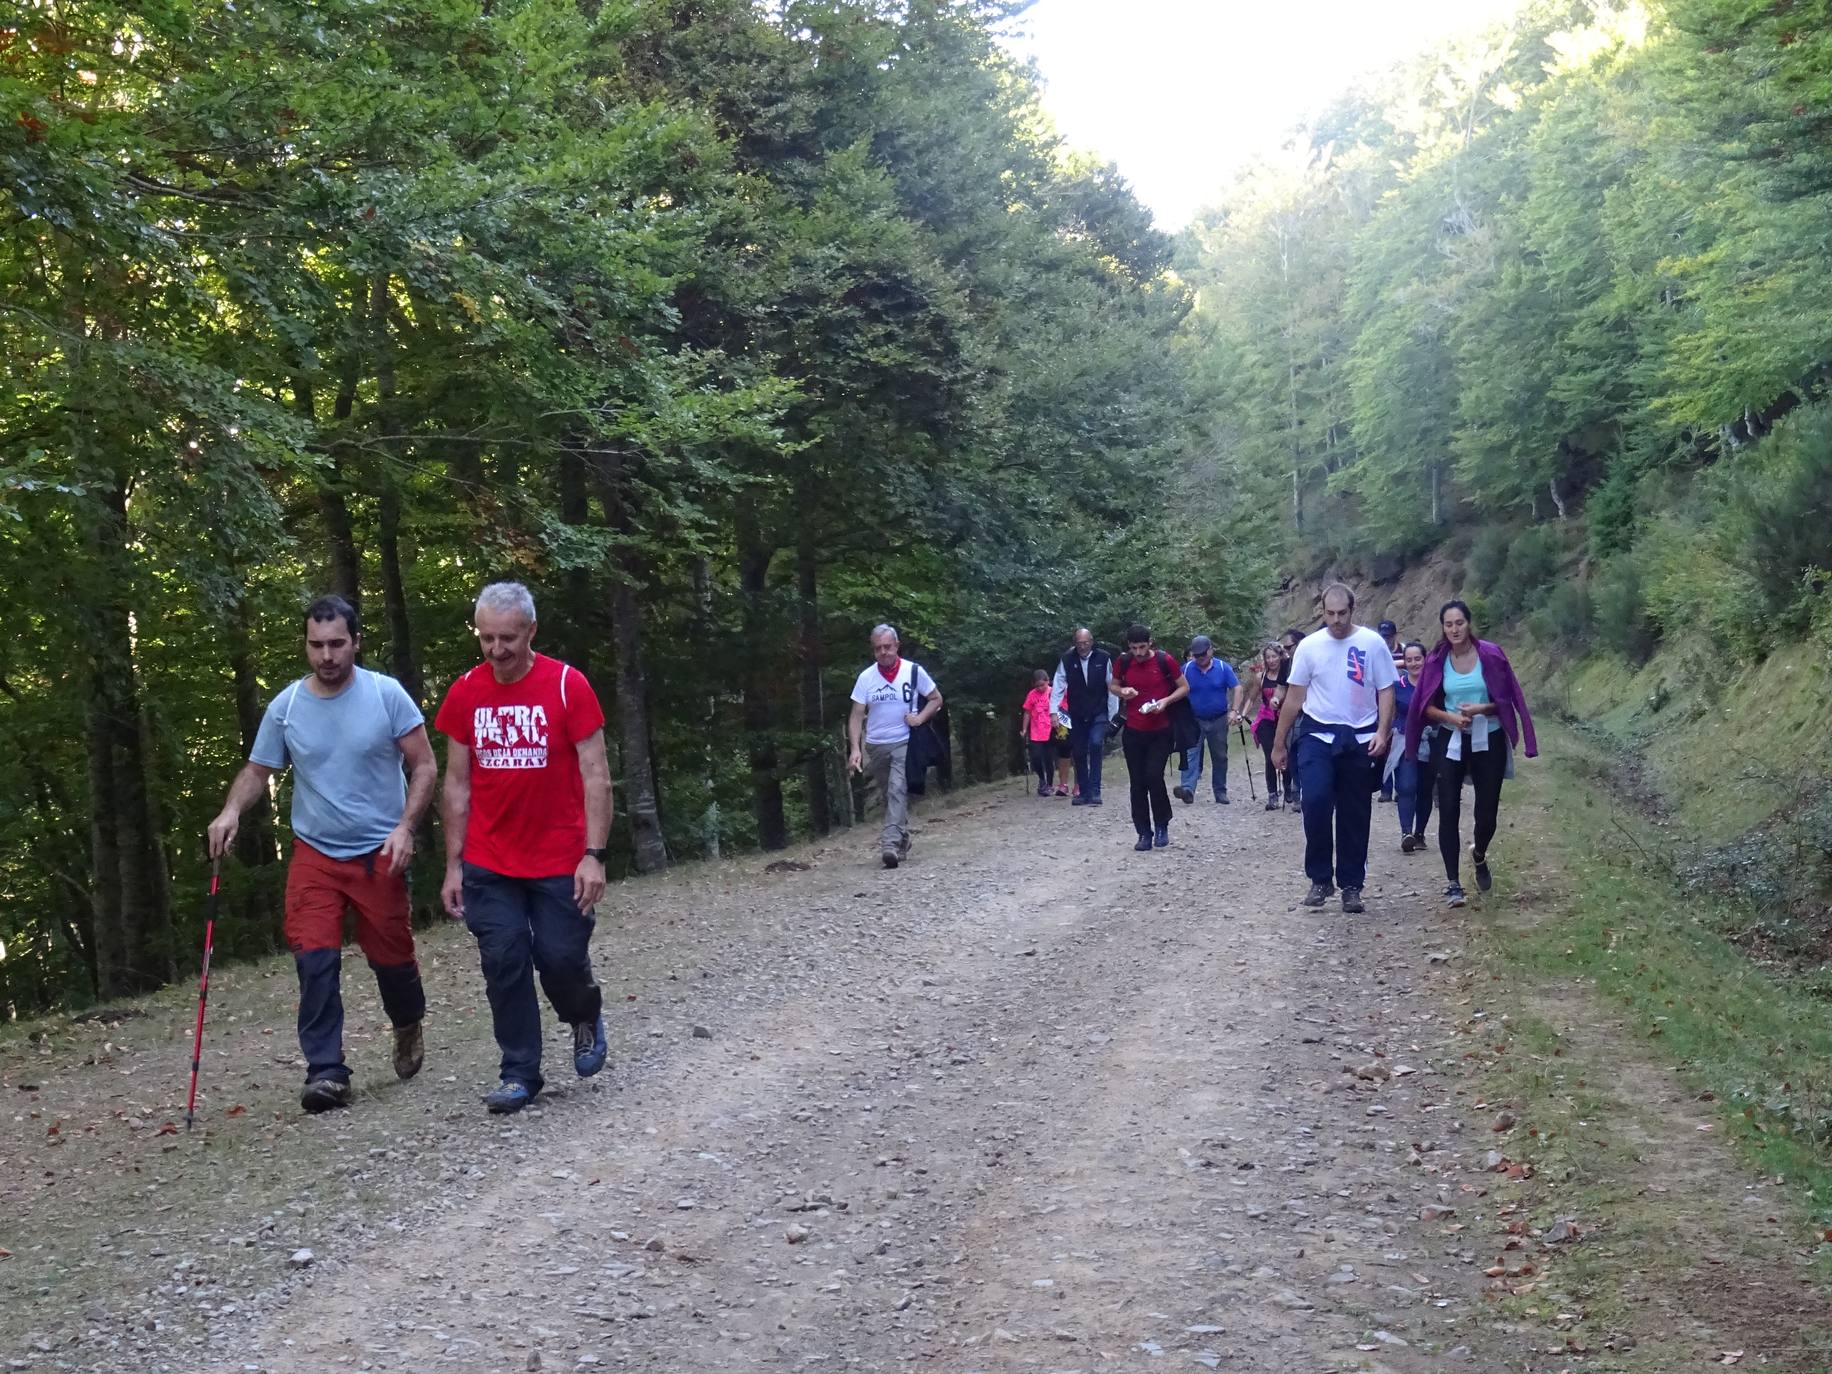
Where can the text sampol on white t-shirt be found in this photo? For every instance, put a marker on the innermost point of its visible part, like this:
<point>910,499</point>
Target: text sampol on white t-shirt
<point>1342,678</point>
<point>886,703</point>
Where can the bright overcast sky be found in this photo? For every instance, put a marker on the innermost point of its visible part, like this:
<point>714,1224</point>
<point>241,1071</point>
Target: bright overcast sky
<point>1179,93</point>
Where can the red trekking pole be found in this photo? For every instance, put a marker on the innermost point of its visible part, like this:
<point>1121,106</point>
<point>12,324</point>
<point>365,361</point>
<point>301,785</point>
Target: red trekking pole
<point>203,992</point>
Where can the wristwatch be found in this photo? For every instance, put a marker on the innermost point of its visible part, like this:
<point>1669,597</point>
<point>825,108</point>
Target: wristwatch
<point>597,854</point>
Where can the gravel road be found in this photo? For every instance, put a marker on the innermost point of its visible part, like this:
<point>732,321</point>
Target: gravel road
<point>1032,1101</point>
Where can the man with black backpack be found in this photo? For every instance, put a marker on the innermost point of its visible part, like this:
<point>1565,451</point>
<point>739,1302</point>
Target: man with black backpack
<point>1151,684</point>
<point>892,700</point>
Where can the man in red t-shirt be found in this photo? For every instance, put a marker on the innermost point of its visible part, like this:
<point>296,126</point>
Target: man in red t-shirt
<point>527,810</point>
<point>1150,682</point>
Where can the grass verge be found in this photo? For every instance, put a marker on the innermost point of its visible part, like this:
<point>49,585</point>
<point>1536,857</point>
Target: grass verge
<point>1754,1041</point>
<point>1672,1096</point>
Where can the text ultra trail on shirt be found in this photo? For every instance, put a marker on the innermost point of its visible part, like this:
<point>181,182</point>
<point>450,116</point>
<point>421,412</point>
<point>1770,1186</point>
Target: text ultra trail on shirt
<point>527,795</point>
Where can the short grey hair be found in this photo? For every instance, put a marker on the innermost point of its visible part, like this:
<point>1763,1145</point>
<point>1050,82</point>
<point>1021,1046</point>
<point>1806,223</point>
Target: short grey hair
<point>507,596</point>
<point>890,630</point>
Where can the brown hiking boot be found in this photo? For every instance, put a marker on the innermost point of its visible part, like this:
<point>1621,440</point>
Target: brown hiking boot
<point>409,1050</point>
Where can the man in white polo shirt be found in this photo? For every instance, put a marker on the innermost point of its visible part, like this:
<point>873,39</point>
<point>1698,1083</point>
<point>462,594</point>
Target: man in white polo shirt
<point>1342,680</point>
<point>884,707</point>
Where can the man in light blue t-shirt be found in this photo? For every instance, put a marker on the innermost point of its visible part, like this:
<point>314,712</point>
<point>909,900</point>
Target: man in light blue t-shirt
<point>345,732</point>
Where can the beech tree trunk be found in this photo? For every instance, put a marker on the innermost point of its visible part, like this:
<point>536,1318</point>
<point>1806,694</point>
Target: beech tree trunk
<point>759,723</point>
<point>709,759</point>
<point>642,804</point>
<point>132,900</point>
<point>813,707</point>
<point>403,661</point>
<point>255,842</point>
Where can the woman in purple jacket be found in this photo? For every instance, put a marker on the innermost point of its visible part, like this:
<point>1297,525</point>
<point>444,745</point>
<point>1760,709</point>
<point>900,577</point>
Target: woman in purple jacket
<point>1469,699</point>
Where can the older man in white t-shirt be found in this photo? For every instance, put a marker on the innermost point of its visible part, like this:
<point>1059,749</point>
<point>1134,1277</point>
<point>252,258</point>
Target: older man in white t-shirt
<point>1342,680</point>
<point>884,712</point>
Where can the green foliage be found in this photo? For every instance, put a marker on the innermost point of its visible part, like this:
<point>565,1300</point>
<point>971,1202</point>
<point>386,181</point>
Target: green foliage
<point>1568,274</point>
<point>1488,555</point>
<point>1776,521</point>
<point>1619,611</point>
<point>1612,512</point>
<point>1564,619</point>
<point>1532,561</point>
<point>730,329</point>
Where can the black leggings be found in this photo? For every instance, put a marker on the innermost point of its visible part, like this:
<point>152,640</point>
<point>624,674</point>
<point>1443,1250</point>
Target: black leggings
<point>1043,761</point>
<point>1484,768</point>
<point>1263,735</point>
<point>1147,751</point>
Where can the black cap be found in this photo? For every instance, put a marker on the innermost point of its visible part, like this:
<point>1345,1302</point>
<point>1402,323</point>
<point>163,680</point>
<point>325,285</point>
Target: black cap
<point>1387,627</point>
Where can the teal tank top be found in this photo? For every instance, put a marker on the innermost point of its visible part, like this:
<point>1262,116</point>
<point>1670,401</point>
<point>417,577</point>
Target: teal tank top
<point>1467,689</point>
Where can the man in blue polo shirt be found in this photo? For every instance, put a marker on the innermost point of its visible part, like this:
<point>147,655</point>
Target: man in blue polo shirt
<point>1215,693</point>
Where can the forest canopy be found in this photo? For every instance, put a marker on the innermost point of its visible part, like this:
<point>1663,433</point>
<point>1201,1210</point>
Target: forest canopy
<point>730,328</point>
<point>1559,296</point>
<point>733,328</point>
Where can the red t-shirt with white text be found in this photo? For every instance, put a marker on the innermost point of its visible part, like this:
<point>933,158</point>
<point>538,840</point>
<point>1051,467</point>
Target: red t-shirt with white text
<point>527,795</point>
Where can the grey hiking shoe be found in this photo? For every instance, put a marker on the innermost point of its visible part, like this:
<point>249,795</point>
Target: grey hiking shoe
<point>325,1094</point>
<point>890,858</point>
<point>1484,879</point>
<point>1453,895</point>
<point>1351,901</point>
<point>1319,894</point>
<point>409,1051</point>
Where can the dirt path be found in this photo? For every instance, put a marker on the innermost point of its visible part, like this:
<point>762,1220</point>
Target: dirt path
<point>1031,1102</point>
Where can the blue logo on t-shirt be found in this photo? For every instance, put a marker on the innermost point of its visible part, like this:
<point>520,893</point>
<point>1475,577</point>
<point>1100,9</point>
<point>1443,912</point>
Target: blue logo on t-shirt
<point>1358,666</point>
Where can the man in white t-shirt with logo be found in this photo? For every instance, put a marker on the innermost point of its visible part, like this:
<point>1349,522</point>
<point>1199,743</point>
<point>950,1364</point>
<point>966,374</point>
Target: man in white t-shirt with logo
<point>884,712</point>
<point>1342,680</point>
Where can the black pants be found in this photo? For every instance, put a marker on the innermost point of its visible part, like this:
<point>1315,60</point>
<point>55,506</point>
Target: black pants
<point>1043,761</point>
<point>523,925</point>
<point>1147,751</point>
<point>1263,735</point>
<point>1484,769</point>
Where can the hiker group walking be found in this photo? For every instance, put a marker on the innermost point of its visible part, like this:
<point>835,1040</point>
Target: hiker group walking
<point>1339,715</point>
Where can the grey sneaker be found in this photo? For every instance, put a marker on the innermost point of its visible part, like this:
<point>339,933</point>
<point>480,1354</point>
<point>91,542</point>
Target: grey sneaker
<point>325,1094</point>
<point>1351,901</point>
<point>409,1051</point>
<point>1453,895</point>
<point>1319,894</point>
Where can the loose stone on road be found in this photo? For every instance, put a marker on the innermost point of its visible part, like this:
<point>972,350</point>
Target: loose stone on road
<point>1032,1100</point>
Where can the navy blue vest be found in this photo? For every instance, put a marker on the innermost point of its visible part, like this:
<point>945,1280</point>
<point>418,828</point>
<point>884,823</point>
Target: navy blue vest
<point>1086,701</point>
